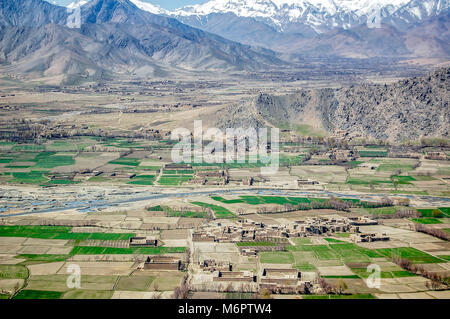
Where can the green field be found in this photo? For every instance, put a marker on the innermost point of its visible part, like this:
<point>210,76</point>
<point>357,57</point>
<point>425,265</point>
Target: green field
<point>332,240</point>
<point>414,255</point>
<point>338,251</point>
<point>445,210</point>
<point>276,257</point>
<point>445,257</point>
<point>143,180</point>
<point>38,294</point>
<point>126,161</point>
<point>28,147</point>
<point>362,273</point>
<point>94,250</point>
<point>13,272</point>
<point>219,211</point>
<point>395,167</point>
<point>178,172</point>
<point>188,214</point>
<point>174,180</point>
<point>403,179</point>
<point>369,181</point>
<point>33,177</point>
<point>426,220</point>
<point>227,201</point>
<point>427,212</point>
<point>58,232</point>
<point>380,153</point>
<point>49,160</point>
<point>41,259</point>
<point>158,208</point>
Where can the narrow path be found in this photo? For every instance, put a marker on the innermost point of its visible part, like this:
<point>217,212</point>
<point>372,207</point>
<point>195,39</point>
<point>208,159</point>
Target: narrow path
<point>156,182</point>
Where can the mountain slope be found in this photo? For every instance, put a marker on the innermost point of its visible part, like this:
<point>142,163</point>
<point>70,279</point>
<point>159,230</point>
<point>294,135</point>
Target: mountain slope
<point>407,109</point>
<point>115,36</point>
<point>357,28</point>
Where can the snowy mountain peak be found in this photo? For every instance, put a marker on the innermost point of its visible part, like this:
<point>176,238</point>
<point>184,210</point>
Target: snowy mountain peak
<point>77,4</point>
<point>143,5</point>
<point>321,15</point>
<point>146,6</point>
<point>318,15</point>
<point>265,7</point>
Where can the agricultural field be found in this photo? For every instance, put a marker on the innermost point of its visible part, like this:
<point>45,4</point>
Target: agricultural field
<point>219,211</point>
<point>79,201</point>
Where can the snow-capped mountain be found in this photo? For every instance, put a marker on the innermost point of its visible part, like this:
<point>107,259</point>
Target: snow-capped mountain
<point>147,6</point>
<point>143,5</point>
<point>76,4</point>
<point>350,28</point>
<point>318,15</point>
<point>321,15</point>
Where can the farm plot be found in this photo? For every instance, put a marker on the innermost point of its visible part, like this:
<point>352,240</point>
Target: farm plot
<point>219,211</point>
<point>143,180</point>
<point>126,161</point>
<point>33,177</point>
<point>58,232</point>
<point>174,180</point>
<point>276,258</point>
<point>426,220</point>
<point>88,294</point>
<point>13,272</point>
<point>134,283</point>
<point>414,255</point>
<point>100,268</point>
<point>59,282</point>
<point>87,250</point>
<point>160,280</point>
<point>304,261</point>
<point>38,294</point>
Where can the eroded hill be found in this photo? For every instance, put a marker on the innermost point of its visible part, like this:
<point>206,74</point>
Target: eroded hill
<point>408,109</point>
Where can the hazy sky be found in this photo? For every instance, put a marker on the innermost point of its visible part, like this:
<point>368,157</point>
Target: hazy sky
<point>166,4</point>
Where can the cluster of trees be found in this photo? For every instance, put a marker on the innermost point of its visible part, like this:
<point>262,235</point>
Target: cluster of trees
<point>246,289</point>
<point>332,203</point>
<point>438,233</point>
<point>302,289</point>
<point>338,288</point>
<point>400,213</point>
<point>182,292</point>
<point>436,279</point>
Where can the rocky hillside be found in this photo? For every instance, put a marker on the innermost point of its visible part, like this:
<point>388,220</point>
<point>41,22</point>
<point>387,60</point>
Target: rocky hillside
<point>408,109</point>
<point>115,36</point>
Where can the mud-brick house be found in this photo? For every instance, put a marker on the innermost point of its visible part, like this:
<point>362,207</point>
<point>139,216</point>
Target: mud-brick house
<point>143,242</point>
<point>162,263</point>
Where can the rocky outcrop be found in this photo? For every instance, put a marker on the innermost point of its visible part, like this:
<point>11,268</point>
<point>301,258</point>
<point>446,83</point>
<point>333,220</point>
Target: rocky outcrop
<point>408,109</point>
